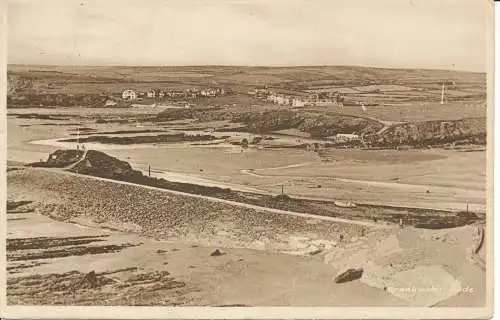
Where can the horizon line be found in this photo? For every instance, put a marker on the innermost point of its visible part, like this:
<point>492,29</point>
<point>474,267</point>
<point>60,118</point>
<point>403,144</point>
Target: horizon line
<point>237,66</point>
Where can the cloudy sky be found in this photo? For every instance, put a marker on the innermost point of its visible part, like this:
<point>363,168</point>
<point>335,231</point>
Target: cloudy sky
<point>442,34</point>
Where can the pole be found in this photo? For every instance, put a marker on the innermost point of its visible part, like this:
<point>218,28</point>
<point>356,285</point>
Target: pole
<point>282,186</point>
<point>149,170</point>
<point>78,138</point>
<point>442,94</point>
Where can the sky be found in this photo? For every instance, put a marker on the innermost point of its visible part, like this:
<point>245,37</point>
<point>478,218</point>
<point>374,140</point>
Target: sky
<point>431,34</point>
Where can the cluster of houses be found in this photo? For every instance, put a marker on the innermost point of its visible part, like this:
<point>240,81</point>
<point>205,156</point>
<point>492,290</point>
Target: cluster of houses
<point>347,137</point>
<point>317,99</point>
<point>309,100</point>
<point>191,93</point>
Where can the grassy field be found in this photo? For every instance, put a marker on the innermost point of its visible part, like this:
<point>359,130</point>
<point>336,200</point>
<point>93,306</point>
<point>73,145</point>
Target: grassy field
<point>305,77</point>
<point>412,111</point>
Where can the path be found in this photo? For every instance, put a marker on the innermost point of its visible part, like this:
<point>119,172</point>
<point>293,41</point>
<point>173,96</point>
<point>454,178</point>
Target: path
<point>83,157</point>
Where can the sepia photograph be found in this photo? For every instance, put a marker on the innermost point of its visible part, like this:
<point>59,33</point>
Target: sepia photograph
<point>247,159</point>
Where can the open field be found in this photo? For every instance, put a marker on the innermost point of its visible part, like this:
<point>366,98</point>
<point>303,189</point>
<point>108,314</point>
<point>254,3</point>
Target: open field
<point>312,76</point>
<point>413,111</point>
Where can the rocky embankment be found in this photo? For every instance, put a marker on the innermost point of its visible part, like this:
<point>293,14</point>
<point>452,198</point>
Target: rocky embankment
<point>319,126</point>
<point>415,134</point>
<point>463,131</point>
<point>60,159</point>
<point>99,164</point>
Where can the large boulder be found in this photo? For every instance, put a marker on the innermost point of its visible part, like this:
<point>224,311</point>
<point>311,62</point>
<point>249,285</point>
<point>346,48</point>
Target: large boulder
<point>349,275</point>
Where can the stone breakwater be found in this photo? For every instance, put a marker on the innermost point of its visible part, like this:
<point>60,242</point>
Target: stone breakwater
<point>166,216</point>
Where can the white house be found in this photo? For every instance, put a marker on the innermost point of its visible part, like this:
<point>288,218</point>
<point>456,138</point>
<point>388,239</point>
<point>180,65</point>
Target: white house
<point>151,94</point>
<point>347,137</point>
<point>325,103</point>
<point>279,99</point>
<point>298,102</point>
<point>129,95</point>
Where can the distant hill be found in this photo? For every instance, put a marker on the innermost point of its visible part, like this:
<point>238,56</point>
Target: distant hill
<point>112,78</point>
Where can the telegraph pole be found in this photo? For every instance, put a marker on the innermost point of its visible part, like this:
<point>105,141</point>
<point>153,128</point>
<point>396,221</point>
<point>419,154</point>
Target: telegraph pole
<point>78,138</point>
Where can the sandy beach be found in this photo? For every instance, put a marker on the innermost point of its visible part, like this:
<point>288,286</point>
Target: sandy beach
<point>266,259</point>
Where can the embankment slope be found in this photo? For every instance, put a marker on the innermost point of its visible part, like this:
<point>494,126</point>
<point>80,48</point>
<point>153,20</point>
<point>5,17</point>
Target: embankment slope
<point>377,133</point>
